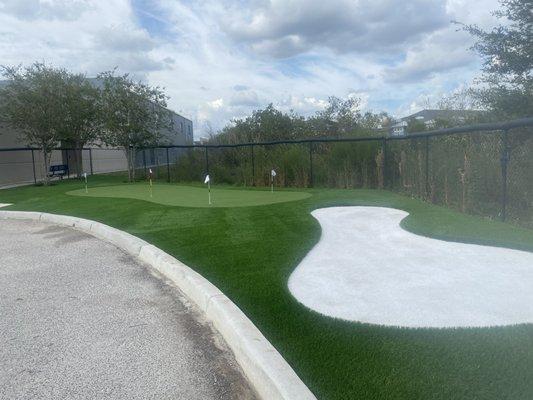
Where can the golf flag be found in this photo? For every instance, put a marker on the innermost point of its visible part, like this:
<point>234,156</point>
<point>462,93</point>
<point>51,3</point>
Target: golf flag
<point>208,181</point>
<point>272,175</point>
<point>85,177</point>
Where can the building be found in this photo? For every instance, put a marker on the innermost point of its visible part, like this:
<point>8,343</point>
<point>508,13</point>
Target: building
<point>430,118</point>
<point>398,128</point>
<point>25,166</point>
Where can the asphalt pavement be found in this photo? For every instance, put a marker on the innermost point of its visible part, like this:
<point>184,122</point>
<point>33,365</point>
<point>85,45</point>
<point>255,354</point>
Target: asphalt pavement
<point>81,319</point>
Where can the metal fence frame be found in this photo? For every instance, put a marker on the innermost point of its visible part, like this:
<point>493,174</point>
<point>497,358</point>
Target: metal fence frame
<point>501,128</point>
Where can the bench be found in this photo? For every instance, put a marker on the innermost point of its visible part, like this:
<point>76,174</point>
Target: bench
<point>58,170</point>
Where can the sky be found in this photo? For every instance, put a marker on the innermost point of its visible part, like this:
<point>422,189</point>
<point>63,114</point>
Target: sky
<point>220,60</point>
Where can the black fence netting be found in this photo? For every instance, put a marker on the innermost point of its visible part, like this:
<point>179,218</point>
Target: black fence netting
<point>189,166</point>
<point>519,202</point>
<point>459,171</point>
<point>289,161</point>
<point>230,165</point>
<point>347,165</point>
<point>484,169</point>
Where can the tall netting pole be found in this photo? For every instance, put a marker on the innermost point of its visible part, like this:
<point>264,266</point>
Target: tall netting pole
<point>91,160</point>
<point>385,174</point>
<point>206,160</point>
<point>253,165</point>
<point>33,167</point>
<point>68,165</point>
<point>144,162</point>
<point>504,162</point>
<point>310,164</point>
<point>168,167</point>
<point>427,167</point>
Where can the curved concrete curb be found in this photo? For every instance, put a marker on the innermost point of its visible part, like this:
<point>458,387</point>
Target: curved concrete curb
<point>264,367</point>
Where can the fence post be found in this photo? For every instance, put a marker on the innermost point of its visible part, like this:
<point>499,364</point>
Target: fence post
<point>68,165</point>
<point>384,152</point>
<point>144,162</point>
<point>206,160</point>
<point>505,157</point>
<point>253,166</point>
<point>91,160</point>
<point>427,167</point>
<point>311,164</point>
<point>168,168</point>
<point>33,166</point>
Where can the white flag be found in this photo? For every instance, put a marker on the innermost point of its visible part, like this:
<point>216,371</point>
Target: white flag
<point>273,173</point>
<point>85,175</point>
<point>207,179</point>
<point>150,170</point>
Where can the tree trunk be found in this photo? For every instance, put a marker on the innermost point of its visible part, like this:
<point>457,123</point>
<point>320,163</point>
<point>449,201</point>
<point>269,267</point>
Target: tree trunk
<point>46,163</point>
<point>78,158</point>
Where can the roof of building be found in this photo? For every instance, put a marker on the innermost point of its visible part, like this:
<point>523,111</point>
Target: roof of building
<point>432,114</point>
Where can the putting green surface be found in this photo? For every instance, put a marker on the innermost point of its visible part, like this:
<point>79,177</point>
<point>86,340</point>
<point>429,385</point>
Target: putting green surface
<point>190,196</point>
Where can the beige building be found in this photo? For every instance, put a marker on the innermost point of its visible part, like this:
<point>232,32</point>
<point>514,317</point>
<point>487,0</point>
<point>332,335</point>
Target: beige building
<point>20,165</point>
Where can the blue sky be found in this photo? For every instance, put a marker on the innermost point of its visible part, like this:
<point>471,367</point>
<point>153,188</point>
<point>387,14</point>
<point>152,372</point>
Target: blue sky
<point>220,60</point>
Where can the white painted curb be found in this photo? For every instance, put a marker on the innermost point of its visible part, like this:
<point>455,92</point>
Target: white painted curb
<point>265,368</point>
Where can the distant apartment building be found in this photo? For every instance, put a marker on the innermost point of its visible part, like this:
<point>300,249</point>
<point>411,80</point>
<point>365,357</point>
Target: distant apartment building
<point>22,166</point>
<point>430,118</point>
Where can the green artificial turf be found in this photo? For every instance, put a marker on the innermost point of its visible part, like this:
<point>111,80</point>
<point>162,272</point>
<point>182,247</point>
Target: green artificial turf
<point>249,253</point>
<point>191,196</point>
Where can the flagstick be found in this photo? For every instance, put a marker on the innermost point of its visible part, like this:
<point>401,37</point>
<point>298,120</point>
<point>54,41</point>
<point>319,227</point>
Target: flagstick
<point>209,191</point>
<point>86,190</point>
<point>271,184</point>
<point>151,191</point>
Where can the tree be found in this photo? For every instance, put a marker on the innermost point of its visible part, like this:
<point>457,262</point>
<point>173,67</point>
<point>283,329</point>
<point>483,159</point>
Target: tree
<point>134,115</point>
<point>341,117</point>
<point>33,102</point>
<point>81,123</point>
<point>507,53</point>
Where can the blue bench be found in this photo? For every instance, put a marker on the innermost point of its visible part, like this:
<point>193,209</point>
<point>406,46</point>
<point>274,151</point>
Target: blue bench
<point>58,170</point>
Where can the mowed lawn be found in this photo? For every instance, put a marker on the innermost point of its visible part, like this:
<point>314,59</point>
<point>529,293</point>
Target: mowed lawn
<point>249,253</point>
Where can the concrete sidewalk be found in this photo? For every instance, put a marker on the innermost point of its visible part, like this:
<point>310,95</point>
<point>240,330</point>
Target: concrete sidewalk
<point>81,319</point>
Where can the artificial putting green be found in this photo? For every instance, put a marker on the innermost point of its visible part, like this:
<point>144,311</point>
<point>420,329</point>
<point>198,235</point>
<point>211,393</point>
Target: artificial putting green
<point>191,196</point>
<point>250,252</point>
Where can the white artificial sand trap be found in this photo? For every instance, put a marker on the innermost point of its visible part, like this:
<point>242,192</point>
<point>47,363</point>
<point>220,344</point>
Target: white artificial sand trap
<point>367,268</point>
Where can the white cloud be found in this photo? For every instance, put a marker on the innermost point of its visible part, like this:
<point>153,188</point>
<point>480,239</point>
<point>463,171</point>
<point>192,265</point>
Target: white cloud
<point>216,104</point>
<point>51,9</point>
<point>124,38</point>
<point>247,98</point>
<point>221,60</point>
<point>283,28</point>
